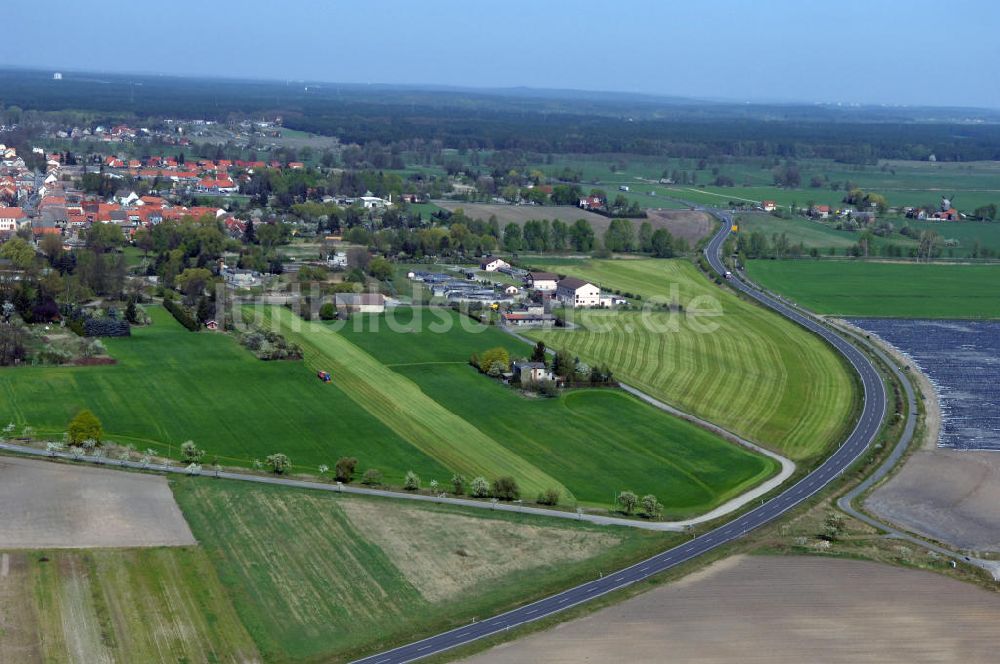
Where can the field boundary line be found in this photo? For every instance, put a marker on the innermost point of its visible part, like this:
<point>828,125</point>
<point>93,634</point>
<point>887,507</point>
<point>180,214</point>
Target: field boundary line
<point>597,519</point>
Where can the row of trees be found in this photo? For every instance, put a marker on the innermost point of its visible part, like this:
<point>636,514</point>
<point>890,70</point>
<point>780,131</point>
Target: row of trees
<point>627,502</point>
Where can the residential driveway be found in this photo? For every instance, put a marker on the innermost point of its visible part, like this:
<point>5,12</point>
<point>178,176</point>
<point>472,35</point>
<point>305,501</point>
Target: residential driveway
<point>53,505</point>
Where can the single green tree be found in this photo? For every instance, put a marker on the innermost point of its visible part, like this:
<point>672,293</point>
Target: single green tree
<point>345,468</point>
<point>85,426</point>
<point>538,354</point>
<point>505,488</point>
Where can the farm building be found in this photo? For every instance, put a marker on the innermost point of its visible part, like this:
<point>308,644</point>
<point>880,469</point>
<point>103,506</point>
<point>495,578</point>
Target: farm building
<point>544,282</point>
<point>527,319</point>
<point>492,263</point>
<point>575,292</point>
<point>511,290</point>
<point>531,372</point>
<point>820,211</point>
<point>361,303</point>
<point>768,206</point>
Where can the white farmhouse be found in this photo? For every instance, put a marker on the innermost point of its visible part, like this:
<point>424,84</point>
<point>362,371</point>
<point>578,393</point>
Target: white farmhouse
<point>544,282</point>
<point>492,263</point>
<point>575,292</point>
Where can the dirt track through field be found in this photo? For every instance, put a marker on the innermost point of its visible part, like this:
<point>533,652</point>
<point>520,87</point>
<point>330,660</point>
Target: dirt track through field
<point>780,611</point>
<point>50,505</point>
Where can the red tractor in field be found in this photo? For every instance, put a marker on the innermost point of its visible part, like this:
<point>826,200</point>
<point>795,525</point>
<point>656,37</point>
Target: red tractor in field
<point>324,376</point>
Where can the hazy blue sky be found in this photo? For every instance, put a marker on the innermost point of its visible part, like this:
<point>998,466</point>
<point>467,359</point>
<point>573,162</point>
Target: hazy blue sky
<point>935,52</point>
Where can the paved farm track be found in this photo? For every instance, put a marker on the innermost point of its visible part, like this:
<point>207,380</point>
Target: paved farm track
<point>869,422</point>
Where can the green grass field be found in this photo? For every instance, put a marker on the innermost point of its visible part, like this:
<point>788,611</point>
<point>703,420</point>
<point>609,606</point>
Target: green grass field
<point>823,236</point>
<point>400,404</point>
<point>891,290</point>
<point>324,577</point>
<point>970,184</point>
<point>171,385</point>
<point>595,441</point>
<point>118,606</point>
<point>756,373</point>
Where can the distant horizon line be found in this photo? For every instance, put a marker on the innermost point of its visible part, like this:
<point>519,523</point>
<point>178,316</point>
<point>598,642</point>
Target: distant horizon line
<point>499,90</point>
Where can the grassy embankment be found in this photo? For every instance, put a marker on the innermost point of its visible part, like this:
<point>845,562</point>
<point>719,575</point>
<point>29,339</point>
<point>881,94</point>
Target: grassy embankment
<point>756,373</point>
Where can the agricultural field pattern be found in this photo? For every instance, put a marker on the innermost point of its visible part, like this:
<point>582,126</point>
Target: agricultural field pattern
<point>962,359</point>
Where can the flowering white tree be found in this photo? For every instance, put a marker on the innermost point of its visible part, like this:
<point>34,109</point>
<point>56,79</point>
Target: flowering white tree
<point>52,448</point>
<point>651,507</point>
<point>193,469</point>
<point>434,485</point>
<point>76,451</point>
<point>323,469</point>
<point>479,488</point>
<point>412,481</point>
<point>627,502</point>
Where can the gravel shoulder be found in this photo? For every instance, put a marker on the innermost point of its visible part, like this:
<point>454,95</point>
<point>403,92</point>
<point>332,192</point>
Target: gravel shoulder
<point>780,610</point>
<point>51,505</point>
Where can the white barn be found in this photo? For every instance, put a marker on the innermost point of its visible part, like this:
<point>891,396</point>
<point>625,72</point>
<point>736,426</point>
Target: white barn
<point>544,282</point>
<point>575,292</point>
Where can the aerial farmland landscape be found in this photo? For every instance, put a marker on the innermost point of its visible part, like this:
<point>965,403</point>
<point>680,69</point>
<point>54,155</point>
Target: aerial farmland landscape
<point>550,332</point>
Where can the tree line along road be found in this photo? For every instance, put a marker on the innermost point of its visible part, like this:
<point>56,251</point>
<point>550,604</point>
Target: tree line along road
<point>867,428</point>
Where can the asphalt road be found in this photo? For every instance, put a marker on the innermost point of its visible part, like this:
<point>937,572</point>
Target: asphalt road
<point>854,446</point>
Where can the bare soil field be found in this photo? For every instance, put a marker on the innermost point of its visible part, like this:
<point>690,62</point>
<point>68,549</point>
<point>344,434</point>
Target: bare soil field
<point>51,505</point>
<point>780,610</point>
<point>947,495</point>
<point>688,224</point>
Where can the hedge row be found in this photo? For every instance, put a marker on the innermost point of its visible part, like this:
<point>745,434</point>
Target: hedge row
<point>181,314</point>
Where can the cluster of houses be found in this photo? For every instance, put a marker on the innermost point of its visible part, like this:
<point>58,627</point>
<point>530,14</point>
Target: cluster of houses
<point>58,208</point>
<point>825,212</point>
<point>945,212</point>
<point>204,176</point>
<point>17,184</point>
